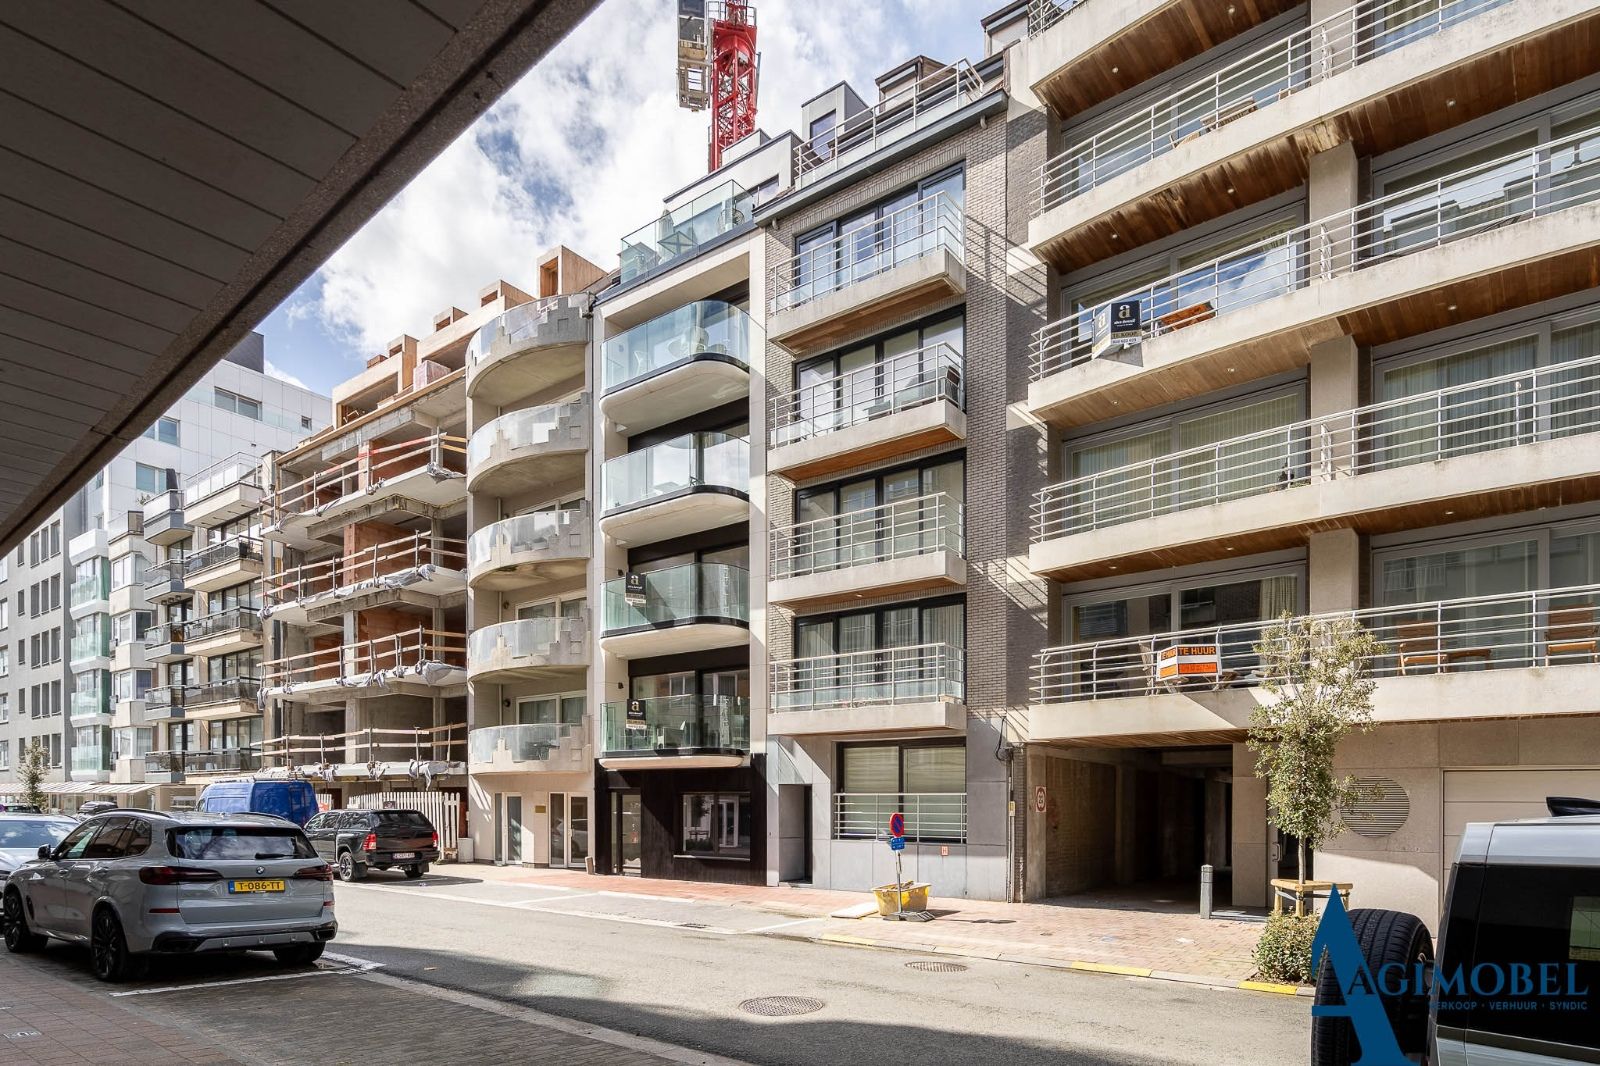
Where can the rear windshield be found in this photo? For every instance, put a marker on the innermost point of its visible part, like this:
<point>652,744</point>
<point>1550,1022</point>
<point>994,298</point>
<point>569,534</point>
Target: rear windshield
<point>29,835</point>
<point>240,842</point>
<point>403,819</point>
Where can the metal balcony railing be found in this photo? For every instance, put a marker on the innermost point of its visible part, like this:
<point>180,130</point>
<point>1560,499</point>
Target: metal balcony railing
<point>418,651</point>
<point>1545,627</point>
<point>531,427</point>
<point>226,690</point>
<point>896,530</point>
<point>930,98</point>
<point>934,223</point>
<point>236,550</point>
<point>240,468</point>
<point>91,589</point>
<point>1042,14</point>
<point>164,633</point>
<point>931,817</point>
<point>921,673</point>
<point>178,763</point>
<point>1524,407</point>
<point>403,555</point>
<point>441,455</point>
<point>898,383</point>
<point>1514,188</point>
<point>528,742</point>
<point>703,329</point>
<point>1272,73</point>
<point>667,724</point>
<point>166,572</point>
<point>247,619</point>
<point>682,232</point>
<point>692,461</point>
<point>445,743</point>
<point>715,593</point>
<point>560,534</point>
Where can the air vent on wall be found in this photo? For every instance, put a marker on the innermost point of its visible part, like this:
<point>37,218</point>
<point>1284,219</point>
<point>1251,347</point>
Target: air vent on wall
<point>1381,807</point>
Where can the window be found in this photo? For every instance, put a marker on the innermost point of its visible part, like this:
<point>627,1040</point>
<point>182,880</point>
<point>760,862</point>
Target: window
<point>127,570</point>
<point>5,754</point>
<point>246,595</point>
<point>305,421</point>
<point>132,684</point>
<point>716,824</point>
<point>248,843</point>
<point>902,512</point>
<point>132,626</point>
<point>924,780</point>
<point>321,821</point>
<point>237,733</point>
<point>77,840</point>
<point>232,401</point>
<point>565,709</point>
<point>5,662</point>
<point>5,611</point>
<point>819,137</point>
<point>54,748</point>
<point>151,479</point>
<point>165,430</point>
<point>5,707</point>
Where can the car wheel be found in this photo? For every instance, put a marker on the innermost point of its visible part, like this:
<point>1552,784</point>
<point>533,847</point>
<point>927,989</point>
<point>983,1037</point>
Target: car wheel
<point>1385,938</point>
<point>299,954</point>
<point>414,872</point>
<point>108,949</point>
<point>349,869</point>
<point>20,940</point>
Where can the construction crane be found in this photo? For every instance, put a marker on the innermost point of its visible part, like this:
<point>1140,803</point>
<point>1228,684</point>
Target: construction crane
<point>718,67</point>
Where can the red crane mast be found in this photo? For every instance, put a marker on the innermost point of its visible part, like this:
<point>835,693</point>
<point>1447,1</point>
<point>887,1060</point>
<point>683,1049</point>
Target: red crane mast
<point>719,68</point>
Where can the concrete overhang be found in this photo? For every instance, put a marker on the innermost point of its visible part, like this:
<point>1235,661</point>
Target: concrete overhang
<point>698,384</point>
<point>933,718</point>
<point>922,284</point>
<point>675,639</point>
<point>870,441</point>
<point>942,569</point>
<point>691,511</point>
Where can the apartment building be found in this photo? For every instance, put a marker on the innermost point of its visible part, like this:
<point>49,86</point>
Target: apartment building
<point>127,620</point>
<point>1321,339</point>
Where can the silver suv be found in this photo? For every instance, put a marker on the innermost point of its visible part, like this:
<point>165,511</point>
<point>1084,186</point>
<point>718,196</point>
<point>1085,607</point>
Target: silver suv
<point>130,883</point>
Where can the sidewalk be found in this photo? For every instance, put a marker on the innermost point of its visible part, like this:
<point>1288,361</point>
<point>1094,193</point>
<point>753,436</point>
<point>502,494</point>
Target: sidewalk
<point>1090,932</point>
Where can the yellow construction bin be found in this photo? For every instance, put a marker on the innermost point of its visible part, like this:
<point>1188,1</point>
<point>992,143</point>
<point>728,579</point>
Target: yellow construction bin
<point>913,897</point>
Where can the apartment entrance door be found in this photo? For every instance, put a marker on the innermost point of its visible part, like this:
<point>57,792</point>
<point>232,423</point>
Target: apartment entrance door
<point>513,822</point>
<point>627,826</point>
<point>569,829</point>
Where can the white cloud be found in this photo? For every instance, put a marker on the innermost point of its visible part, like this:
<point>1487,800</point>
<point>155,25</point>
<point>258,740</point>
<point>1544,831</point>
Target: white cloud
<point>273,370</point>
<point>582,150</point>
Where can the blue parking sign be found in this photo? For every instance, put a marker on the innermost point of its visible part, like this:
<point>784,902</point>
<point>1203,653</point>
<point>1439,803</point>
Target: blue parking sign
<point>897,843</point>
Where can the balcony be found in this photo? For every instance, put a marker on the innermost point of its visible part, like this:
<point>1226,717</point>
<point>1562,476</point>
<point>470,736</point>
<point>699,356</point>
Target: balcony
<point>91,696</point>
<point>904,404</point>
<point>676,733</point>
<point>1389,466</point>
<point>234,697</point>
<point>413,566</point>
<point>918,689</point>
<point>92,762</point>
<point>537,448</point>
<point>1381,73</point>
<point>691,359</point>
<point>536,747</point>
<point>1083,52</point>
<point>223,633</point>
<point>220,566</point>
<point>907,546</point>
<point>417,757</point>
<point>163,582</point>
<point>906,263</point>
<point>164,522</point>
<point>529,649</point>
<point>128,654</point>
<point>1502,234</point>
<point>692,483</point>
<point>170,767</point>
<point>90,594</point>
<point>1506,656</point>
<point>86,545</point>
<point>426,472</point>
<point>529,349</point>
<point>163,703</point>
<point>693,607</point>
<point>681,233</point>
<point>91,644</point>
<point>223,491</point>
<point>419,662</point>
<point>540,546</point>
<point>164,643</point>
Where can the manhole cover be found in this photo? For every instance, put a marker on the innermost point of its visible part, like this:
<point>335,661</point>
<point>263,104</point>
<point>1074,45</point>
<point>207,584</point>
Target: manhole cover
<point>935,967</point>
<point>780,1006</point>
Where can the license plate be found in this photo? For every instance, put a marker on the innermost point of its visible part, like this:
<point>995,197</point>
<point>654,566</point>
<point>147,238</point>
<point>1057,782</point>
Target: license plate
<point>405,854</point>
<point>255,886</point>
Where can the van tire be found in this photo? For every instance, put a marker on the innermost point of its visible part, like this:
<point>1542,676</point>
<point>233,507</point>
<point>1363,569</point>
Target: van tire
<point>1385,938</point>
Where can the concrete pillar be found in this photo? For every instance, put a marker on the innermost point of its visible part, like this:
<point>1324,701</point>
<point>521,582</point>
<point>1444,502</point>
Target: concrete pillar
<point>1337,375</point>
<point>1334,181</point>
<point>1037,833</point>
<point>1252,836</point>
<point>1334,570</point>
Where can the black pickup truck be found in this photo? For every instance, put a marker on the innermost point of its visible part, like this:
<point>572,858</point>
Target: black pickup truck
<point>355,841</point>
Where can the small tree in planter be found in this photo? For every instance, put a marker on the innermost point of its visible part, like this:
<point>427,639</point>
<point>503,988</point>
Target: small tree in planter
<point>1315,671</point>
<point>30,773</point>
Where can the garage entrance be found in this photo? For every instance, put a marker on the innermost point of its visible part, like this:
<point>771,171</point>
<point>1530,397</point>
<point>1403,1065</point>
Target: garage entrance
<point>1495,795</point>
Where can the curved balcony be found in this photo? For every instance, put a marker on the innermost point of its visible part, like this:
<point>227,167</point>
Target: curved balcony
<point>544,545</point>
<point>676,732</point>
<point>535,448</point>
<point>691,359</point>
<point>530,747</point>
<point>529,649</point>
<point>693,607</point>
<point>530,348</point>
<point>692,483</point>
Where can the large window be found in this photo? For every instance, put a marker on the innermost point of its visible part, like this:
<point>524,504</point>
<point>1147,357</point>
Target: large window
<point>890,523</point>
<point>926,781</point>
<point>717,824</point>
<point>152,479</point>
<point>164,430</point>
<point>232,401</point>
<point>127,570</point>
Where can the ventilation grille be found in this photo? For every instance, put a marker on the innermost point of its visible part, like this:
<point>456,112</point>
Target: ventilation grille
<point>1381,807</point>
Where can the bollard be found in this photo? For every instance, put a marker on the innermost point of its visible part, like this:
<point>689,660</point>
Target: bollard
<point>1205,890</point>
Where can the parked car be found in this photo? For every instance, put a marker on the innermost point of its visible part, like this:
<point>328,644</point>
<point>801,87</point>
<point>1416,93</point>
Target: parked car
<point>96,807</point>
<point>22,835</point>
<point>295,801</point>
<point>358,840</point>
<point>135,883</point>
<point>18,807</point>
<point>1517,978</point>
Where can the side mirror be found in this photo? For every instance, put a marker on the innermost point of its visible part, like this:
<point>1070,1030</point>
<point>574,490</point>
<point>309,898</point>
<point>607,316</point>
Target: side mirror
<point>45,851</point>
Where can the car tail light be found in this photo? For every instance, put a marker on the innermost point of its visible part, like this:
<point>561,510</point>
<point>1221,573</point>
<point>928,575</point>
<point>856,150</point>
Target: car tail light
<point>371,843</point>
<point>176,875</point>
<point>314,873</point>
<point>435,841</point>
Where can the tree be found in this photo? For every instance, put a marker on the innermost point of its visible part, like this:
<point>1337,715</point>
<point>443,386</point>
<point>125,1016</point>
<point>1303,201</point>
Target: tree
<point>1315,672</point>
<point>30,772</point>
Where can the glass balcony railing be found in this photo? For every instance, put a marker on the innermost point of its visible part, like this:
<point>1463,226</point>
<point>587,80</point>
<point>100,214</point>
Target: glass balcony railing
<point>528,428</point>
<point>90,589</point>
<point>677,724</point>
<point>92,638</point>
<point>705,328</point>
<point>91,693</point>
<point>91,750</point>
<point>541,639</point>
<point>163,574</point>
<point>896,530</point>
<point>239,549</point>
<point>227,690</point>
<point>683,232</point>
<point>919,674</point>
<point>247,619</point>
<point>695,461</point>
<point>530,742</point>
<point>238,469</point>
<point>558,534</point>
<point>516,328</point>
<point>715,593</point>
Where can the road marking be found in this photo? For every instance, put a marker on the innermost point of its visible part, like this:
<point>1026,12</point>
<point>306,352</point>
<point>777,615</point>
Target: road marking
<point>536,906</point>
<point>351,966</point>
<point>782,925</point>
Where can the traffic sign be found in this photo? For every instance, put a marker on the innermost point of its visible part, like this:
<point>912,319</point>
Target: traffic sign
<point>1038,799</point>
<point>897,843</point>
<point>897,824</point>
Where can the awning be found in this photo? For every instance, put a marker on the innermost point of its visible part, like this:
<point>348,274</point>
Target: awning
<point>75,788</point>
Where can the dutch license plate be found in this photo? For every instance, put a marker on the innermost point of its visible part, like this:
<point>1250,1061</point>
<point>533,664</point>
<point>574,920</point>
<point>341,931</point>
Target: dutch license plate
<point>405,854</point>
<point>255,886</point>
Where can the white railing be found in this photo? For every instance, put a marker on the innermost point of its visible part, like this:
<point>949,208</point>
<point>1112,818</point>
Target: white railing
<point>898,115</point>
<point>1513,188</point>
<point>1042,14</point>
<point>440,455</point>
<point>400,556</point>
<point>561,425</point>
<point>898,383</point>
<point>921,673</point>
<point>1272,73</point>
<point>931,817</point>
<point>932,224</point>
<point>241,468</point>
<point>895,530</point>
<point>1524,407</point>
<point>1546,627</point>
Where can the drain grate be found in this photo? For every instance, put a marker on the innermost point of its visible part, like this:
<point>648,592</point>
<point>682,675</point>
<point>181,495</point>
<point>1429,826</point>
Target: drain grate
<point>932,966</point>
<point>780,1006</point>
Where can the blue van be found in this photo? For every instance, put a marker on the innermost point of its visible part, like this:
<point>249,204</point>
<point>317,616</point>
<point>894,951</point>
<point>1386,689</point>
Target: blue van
<point>294,800</point>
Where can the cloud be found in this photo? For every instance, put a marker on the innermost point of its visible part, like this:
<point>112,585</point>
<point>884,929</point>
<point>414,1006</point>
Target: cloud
<point>585,146</point>
<point>273,370</point>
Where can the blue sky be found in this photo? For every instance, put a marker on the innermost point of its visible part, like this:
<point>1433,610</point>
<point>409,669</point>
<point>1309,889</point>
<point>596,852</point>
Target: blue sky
<point>579,152</point>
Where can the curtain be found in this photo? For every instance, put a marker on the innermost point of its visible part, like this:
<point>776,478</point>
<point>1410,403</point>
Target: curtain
<point>1244,468</point>
<point>1464,420</point>
<point>1573,393</point>
<point>1122,495</point>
